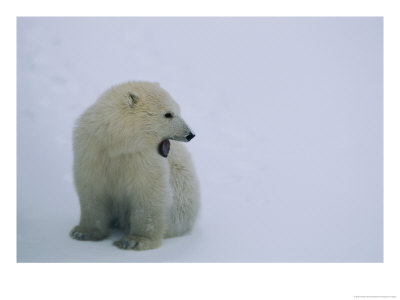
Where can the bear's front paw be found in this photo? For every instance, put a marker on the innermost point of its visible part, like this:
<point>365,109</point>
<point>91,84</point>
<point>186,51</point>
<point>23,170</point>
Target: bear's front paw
<point>84,234</point>
<point>137,243</point>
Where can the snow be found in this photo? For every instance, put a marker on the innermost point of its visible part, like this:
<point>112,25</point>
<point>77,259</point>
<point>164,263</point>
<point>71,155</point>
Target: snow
<point>288,120</point>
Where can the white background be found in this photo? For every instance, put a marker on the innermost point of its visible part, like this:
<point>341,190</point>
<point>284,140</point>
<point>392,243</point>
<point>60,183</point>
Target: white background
<point>199,281</point>
<point>288,116</point>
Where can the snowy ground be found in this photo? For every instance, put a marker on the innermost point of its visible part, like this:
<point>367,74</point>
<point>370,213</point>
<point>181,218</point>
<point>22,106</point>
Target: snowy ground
<point>288,122</point>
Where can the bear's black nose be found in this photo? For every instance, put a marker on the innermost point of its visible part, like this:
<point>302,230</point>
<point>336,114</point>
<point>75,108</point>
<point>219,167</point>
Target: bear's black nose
<point>190,136</point>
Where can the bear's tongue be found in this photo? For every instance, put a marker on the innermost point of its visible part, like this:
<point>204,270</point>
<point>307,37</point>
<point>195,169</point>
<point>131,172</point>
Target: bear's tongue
<point>163,148</point>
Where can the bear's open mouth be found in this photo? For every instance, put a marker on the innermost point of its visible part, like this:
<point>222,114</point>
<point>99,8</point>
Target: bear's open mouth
<point>163,148</point>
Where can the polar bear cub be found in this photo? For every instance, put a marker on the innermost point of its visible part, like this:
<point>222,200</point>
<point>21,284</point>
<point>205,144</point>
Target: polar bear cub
<point>131,170</point>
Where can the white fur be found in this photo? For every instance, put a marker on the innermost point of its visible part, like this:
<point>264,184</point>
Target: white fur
<point>119,173</point>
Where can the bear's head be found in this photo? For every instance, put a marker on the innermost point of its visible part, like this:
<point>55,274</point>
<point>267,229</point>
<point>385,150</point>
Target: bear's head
<point>145,114</point>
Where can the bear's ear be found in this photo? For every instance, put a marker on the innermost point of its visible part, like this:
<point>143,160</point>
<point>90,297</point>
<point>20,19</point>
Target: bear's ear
<point>133,98</point>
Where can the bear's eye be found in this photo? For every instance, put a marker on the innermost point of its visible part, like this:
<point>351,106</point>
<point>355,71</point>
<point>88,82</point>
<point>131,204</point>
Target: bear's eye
<point>168,115</point>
